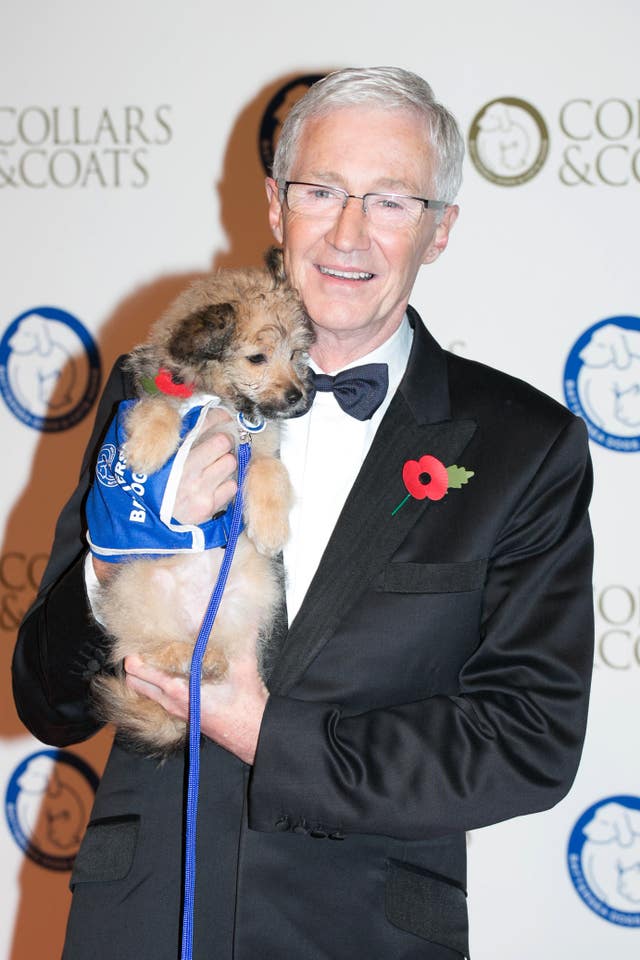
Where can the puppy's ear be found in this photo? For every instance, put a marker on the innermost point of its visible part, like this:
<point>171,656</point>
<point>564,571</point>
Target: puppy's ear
<point>203,335</point>
<point>274,259</point>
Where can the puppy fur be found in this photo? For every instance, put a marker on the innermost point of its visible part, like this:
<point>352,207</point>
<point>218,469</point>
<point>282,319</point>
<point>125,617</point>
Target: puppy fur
<point>242,335</point>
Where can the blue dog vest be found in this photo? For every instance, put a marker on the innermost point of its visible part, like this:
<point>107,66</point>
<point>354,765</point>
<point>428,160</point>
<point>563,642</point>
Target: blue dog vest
<point>131,514</point>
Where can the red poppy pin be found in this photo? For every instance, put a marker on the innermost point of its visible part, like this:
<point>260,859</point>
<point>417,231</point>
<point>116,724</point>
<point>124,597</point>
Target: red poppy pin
<point>163,382</point>
<point>428,477</point>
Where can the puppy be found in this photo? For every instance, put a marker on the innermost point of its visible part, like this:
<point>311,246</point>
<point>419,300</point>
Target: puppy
<point>241,336</point>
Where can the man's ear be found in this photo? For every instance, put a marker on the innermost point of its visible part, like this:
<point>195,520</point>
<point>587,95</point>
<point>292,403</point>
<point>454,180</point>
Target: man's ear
<point>275,209</point>
<point>440,238</point>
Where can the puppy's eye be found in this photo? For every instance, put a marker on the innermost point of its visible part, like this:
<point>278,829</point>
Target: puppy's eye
<point>257,358</point>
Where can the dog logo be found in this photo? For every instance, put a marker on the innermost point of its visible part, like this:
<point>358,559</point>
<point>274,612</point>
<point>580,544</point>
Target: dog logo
<point>104,466</point>
<point>49,369</point>
<point>508,141</point>
<point>604,859</point>
<point>47,806</point>
<point>602,382</point>
<point>276,112</point>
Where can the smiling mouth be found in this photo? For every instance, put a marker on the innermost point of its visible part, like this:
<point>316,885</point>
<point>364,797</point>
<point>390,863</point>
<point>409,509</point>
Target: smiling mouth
<point>345,274</point>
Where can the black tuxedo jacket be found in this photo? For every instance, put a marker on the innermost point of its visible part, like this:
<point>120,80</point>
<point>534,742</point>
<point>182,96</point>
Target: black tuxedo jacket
<point>434,680</point>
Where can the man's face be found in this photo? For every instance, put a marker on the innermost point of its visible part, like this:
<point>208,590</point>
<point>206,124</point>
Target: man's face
<point>356,279</point>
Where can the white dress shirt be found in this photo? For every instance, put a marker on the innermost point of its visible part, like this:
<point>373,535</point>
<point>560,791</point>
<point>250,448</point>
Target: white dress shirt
<point>323,452</point>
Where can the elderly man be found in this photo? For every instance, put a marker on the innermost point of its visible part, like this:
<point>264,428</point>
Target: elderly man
<point>434,677</point>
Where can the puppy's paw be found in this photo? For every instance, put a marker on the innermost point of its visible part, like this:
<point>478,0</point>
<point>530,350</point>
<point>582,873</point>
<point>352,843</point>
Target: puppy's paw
<point>268,534</point>
<point>153,435</point>
<point>214,665</point>
<point>174,658</point>
<point>268,498</point>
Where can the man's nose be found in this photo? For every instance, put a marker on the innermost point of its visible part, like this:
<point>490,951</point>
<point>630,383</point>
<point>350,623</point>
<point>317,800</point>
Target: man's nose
<point>350,231</point>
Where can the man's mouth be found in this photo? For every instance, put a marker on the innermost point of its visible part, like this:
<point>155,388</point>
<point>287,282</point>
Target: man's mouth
<point>345,274</point>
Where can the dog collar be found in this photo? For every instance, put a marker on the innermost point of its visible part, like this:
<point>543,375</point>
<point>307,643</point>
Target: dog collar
<point>249,425</point>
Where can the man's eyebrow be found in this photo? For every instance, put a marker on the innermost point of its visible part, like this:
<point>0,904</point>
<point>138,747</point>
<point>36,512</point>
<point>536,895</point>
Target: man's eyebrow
<point>328,177</point>
<point>396,186</point>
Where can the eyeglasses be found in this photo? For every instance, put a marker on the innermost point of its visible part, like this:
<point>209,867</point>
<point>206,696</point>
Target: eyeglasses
<point>389,211</point>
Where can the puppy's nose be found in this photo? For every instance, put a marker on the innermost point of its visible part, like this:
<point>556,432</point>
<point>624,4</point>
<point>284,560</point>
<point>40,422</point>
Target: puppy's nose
<point>292,396</point>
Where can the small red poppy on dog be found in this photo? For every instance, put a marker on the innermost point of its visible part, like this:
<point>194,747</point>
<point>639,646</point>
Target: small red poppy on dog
<point>163,382</point>
<point>166,384</point>
<point>428,477</point>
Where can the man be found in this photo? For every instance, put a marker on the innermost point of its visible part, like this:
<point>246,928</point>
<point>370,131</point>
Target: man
<point>434,677</point>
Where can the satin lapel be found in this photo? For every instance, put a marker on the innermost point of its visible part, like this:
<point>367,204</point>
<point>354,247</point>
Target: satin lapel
<point>367,534</point>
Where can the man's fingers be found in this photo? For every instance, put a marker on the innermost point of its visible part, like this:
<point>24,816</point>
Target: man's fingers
<point>206,485</point>
<point>170,692</point>
<point>216,416</point>
<point>223,495</point>
<point>208,451</point>
<point>134,666</point>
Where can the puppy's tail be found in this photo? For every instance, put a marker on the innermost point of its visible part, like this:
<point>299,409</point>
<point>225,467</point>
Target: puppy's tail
<point>143,724</point>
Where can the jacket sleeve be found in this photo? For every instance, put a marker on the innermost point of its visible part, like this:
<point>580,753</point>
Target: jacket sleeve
<point>60,646</point>
<point>509,741</point>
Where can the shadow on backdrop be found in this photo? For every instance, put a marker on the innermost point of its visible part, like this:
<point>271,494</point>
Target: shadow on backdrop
<point>56,462</point>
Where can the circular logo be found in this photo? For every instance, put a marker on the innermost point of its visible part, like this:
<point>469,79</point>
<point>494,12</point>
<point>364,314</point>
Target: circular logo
<point>47,806</point>
<point>508,141</point>
<point>49,369</point>
<point>276,112</point>
<point>104,465</point>
<point>604,859</point>
<point>602,382</point>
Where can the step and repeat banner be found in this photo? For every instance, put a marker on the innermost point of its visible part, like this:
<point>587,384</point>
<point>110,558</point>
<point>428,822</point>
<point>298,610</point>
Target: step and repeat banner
<point>134,141</point>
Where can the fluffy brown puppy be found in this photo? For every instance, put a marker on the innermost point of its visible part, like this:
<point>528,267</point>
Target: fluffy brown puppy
<point>243,336</point>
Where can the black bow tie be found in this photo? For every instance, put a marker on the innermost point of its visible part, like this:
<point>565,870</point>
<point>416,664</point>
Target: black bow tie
<point>359,391</point>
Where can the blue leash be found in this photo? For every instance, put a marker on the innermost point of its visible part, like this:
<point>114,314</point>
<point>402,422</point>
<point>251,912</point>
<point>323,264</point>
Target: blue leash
<point>244,455</point>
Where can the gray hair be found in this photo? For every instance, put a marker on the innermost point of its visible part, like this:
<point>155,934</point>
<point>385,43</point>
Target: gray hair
<point>385,87</point>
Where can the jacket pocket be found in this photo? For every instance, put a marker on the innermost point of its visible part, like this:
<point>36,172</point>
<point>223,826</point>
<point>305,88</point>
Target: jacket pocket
<point>107,850</point>
<point>433,577</point>
<point>427,905</point>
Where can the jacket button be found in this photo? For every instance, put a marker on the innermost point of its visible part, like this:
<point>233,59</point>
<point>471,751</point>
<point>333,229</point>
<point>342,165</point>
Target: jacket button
<point>336,835</point>
<point>301,827</point>
<point>318,833</point>
<point>282,824</point>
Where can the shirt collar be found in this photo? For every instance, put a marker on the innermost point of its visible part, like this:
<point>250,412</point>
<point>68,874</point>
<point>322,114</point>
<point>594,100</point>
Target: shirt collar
<point>394,352</point>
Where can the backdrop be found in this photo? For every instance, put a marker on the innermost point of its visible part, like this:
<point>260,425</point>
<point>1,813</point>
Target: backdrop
<point>133,144</point>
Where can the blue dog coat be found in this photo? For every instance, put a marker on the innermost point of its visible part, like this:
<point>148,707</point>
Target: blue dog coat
<point>131,514</point>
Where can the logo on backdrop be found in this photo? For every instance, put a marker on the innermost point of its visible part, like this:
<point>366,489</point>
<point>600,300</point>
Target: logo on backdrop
<point>276,112</point>
<point>508,141</point>
<point>604,859</point>
<point>47,806</point>
<point>617,608</point>
<point>20,575</point>
<point>64,146</point>
<point>49,369</point>
<point>597,142</point>
<point>602,382</point>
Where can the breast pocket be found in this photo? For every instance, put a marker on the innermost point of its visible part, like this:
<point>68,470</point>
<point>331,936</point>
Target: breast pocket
<point>433,577</point>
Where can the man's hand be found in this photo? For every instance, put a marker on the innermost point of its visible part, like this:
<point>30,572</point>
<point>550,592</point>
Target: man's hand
<point>230,712</point>
<point>207,483</point>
